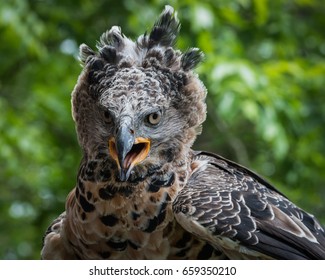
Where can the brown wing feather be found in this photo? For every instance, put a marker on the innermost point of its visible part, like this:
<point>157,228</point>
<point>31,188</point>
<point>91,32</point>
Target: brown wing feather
<point>242,214</point>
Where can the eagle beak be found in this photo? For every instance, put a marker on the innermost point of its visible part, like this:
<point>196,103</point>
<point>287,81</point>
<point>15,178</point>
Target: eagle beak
<point>127,150</point>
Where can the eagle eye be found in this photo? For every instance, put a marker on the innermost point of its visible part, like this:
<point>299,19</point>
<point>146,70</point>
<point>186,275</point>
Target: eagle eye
<point>154,118</point>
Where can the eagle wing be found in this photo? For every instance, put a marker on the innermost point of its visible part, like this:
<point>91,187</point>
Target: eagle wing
<point>240,213</point>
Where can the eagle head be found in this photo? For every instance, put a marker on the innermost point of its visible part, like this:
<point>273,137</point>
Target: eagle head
<point>138,102</point>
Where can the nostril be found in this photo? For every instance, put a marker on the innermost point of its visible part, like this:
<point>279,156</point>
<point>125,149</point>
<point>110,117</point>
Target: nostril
<point>132,131</point>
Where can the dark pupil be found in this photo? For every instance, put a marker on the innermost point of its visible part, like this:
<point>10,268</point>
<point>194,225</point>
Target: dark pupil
<point>155,116</point>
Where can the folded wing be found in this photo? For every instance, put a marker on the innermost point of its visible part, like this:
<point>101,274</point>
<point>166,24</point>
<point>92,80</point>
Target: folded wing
<point>241,214</point>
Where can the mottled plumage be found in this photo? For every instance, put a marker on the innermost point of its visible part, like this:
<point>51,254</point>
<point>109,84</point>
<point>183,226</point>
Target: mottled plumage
<point>141,191</point>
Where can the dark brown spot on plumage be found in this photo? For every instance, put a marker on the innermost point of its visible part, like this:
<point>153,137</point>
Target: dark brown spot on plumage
<point>133,245</point>
<point>182,253</point>
<point>163,181</point>
<point>217,253</point>
<point>89,195</point>
<point>168,198</point>
<point>161,217</point>
<point>181,179</point>
<point>152,169</point>
<point>156,221</point>
<point>104,254</point>
<point>158,182</point>
<point>117,245</point>
<point>137,178</point>
<point>109,220</point>
<point>170,181</point>
<point>81,186</point>
<point>89,171</point>
<point>184,240</point>
<point>92,165</point>
<point>153,188</point>
<point>106,193</point>
<point>83,216</point>
<point>104,175</point>
<point>86,206</point>
<point>135,216</point>
<point>206,252</point>
<point>163,206</point>
<point>125,191</point>
<point>152,225</point>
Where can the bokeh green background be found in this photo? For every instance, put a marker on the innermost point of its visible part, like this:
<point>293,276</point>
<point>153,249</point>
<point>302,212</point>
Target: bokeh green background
<point>264,69</point>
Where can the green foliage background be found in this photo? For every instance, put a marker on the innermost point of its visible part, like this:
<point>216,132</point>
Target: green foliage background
<point>264,69</point>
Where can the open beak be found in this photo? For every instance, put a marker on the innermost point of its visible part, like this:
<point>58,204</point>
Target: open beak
<point>128,151</point>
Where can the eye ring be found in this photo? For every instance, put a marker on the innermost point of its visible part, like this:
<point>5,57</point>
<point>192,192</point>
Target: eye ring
<point>154,118</point>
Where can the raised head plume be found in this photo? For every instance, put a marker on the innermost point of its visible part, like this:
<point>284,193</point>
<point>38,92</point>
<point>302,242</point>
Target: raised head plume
<point>165,29</point>
<point>153,48</point>
<point>191,58</point>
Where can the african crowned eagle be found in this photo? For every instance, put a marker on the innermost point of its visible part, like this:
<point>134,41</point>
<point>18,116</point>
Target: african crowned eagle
<point>141,191</point>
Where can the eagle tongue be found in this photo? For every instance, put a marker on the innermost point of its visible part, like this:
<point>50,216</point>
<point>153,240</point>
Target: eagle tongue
<point>131,159</point>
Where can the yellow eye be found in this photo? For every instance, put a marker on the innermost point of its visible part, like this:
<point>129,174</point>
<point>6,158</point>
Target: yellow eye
<point>154,118</point>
